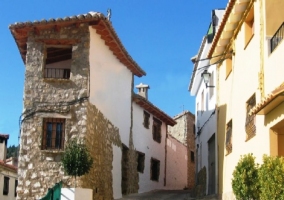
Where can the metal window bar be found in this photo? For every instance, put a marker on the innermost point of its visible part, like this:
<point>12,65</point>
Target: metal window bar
<point>57,73</point>
<point>277,38</point>
<point>53,133</point>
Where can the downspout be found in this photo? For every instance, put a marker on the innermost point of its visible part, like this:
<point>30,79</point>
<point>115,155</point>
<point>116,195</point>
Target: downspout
<point>261,64</point>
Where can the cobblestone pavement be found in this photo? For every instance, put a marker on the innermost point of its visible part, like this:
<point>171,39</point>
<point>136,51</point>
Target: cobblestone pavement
<point>163,195</point>
<point>160,194</point>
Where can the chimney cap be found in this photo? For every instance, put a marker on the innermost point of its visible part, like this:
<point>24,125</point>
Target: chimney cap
<point>141,85</point>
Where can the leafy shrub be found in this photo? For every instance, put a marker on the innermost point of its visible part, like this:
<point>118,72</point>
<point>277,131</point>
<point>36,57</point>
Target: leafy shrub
<point>245,181</point>
<point>76,159</point>
<point>271,175</point>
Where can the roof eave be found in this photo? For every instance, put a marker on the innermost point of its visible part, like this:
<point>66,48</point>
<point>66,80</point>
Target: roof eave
<point>148,106</point>
<point>233,17</point>
<point>95,19</point>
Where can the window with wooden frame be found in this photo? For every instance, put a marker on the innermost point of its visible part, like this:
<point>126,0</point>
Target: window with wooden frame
<point>249,26</point>
<point>58,60</point>
<point>156,130</point>
<point>155,169</point>
<point>228,66</point>
<point>250,119</point>
<point>229,131</point>
<point>140,161</point>
<point>6,185</point>
<point>53,133</point>
<point>146,122</point>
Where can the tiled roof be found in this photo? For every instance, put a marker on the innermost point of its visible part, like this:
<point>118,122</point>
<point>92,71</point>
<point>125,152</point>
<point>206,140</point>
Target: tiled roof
<point>97,20</point>
<point>268,99</point>
<point>228,10</point>
<point>11,167</point>
<point>229,26</point>
<point>148,106</point>
<point>4,136</point>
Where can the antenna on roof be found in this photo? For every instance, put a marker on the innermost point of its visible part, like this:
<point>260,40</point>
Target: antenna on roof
<point>108,14</point>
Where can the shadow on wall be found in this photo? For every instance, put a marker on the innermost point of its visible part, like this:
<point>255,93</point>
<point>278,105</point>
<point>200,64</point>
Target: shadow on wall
<point>221,132</point>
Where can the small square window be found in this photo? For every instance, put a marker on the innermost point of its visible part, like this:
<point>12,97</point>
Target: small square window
<point>58,61</point>
<point>53,133</point>
<point>249,26</point>
<point>146,119</point>
<point>192,156</point>
<point>250,119</point>
<point>6,185</point>
<point>155,169</point>
<point>157,130</point>
<point>140,162</point>
<point>228,66</point>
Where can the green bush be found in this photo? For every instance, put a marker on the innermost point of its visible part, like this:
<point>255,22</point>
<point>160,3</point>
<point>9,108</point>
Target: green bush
<point>245,179</point>
<point>271,176</point>
<point>76,159</point>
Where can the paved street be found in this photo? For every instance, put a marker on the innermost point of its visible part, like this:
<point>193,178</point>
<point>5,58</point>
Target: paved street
<point>160,194</point>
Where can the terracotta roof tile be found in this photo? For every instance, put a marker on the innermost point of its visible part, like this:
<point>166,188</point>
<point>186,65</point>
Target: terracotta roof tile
<point>97,20</point>
<point>266,100</point>
<point>226,15</point>
<point>11,167</point>
<point>148,106</point>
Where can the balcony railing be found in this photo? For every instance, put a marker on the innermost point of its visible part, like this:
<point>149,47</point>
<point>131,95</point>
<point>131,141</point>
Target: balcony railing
<point>277,38</point>
<point>57,73</point>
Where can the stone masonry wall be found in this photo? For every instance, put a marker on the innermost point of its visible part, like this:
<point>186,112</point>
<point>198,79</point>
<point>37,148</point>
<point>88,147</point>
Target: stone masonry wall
<point>101,135</point>
<point>183,131</point>
<point>191,148</point>
<point>41,169</point>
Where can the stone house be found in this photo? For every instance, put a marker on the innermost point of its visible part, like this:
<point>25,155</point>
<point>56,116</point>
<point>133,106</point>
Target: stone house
<point>79,84</point>
<point>181,152</point>
<point>8,172</point>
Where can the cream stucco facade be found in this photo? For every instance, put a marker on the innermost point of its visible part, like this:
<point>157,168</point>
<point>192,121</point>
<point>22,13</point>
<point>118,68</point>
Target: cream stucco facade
<point>249,85</point>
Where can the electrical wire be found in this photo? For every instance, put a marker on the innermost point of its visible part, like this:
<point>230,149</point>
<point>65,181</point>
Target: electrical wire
<point>213,113</point>
<point>32,111</point>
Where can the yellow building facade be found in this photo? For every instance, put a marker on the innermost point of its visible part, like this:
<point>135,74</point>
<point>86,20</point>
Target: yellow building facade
<point>248,48</point>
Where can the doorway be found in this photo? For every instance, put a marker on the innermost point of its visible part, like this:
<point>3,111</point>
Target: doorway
<point>124,167</point>
<point>211,165</point>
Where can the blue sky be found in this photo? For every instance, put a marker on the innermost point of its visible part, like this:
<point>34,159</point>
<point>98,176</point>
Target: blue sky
<point>160,35</point>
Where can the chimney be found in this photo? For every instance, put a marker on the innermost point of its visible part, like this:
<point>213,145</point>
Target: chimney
<point>3,146</point>
<point>143,90</point>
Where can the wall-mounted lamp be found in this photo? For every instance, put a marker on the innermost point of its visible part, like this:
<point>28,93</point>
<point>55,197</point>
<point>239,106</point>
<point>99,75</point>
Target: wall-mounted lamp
<point>206,77</point>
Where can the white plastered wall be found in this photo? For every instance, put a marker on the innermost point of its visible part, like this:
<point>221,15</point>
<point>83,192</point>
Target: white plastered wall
<point>144,143</point>
<point>13,176</point>
<point>110,92</point>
